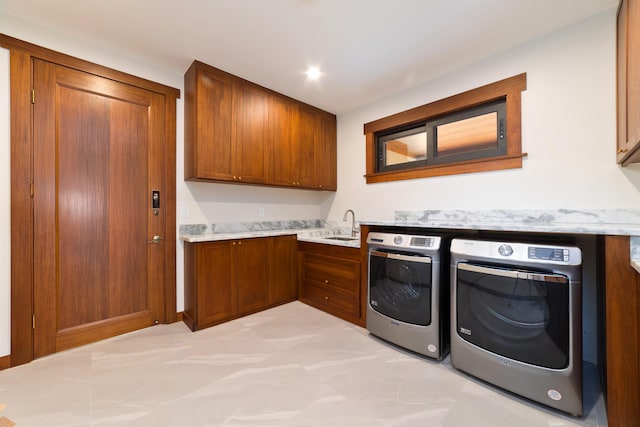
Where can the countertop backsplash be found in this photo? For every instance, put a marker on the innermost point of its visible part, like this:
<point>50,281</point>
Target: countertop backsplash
<point>245,227</point>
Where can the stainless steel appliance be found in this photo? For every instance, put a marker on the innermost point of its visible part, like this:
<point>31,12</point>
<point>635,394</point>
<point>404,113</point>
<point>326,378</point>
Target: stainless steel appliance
<point>408,291</point>
<point>516,318</point>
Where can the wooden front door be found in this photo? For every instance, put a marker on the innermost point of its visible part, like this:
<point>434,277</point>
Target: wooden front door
<point>98,156</point>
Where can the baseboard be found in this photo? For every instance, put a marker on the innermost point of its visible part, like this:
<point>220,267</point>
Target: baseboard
<point>5,362</point>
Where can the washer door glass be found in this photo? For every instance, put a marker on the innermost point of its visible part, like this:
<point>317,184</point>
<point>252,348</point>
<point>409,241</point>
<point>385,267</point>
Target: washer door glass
<point>522,315</point>
<point>400,286</point>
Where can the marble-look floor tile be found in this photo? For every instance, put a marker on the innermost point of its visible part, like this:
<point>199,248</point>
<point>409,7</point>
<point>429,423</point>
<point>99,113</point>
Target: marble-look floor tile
<point>288,366</point>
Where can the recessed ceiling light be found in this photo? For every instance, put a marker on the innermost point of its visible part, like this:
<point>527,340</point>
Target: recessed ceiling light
<point>313,73</point>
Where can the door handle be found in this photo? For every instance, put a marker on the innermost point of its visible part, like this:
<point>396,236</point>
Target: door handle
<point>156,239</point>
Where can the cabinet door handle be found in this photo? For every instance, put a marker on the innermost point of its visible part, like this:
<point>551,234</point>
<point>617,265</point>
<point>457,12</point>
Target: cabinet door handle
<point>622,150</point>
<point>326,298</point>
<point>326,280</point>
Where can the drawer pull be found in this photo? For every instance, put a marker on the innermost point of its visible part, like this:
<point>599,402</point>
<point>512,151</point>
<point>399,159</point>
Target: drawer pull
<point>326,298</point>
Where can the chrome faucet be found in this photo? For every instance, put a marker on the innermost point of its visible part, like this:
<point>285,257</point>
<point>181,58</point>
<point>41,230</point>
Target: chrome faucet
<point>354,230</point>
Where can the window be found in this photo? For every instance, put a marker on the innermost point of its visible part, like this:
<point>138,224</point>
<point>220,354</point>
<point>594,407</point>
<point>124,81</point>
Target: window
<point>478,130</point>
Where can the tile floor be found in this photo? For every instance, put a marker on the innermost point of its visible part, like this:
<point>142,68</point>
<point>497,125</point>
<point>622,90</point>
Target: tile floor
<point>289,366</point>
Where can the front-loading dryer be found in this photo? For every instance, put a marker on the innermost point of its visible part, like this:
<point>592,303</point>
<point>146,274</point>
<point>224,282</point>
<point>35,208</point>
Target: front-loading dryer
<point>407,302</point>
<point>516,318</point>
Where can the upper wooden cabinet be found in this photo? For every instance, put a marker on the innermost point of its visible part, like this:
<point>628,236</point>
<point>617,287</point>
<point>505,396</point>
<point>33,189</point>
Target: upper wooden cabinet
<point>628,56</point>
<point>237,131</point>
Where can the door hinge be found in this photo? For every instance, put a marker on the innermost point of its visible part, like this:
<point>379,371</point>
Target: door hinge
<point>33,96</point>
<point>33,321</point>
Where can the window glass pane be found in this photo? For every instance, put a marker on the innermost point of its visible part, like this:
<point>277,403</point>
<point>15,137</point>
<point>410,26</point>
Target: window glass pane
<point>405,149</point>
<point>468,135</point>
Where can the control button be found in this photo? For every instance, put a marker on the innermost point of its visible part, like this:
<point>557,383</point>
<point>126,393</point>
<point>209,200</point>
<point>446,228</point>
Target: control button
<point>505,250</point>
<point>397,240</point>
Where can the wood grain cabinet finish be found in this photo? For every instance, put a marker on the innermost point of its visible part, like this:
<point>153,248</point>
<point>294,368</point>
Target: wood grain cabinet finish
<point>237,131</point>
<point>628,82</point>
<point>622,323</point>
<point>227,127</point>
<point>329,279</point>
<point>228,279</point>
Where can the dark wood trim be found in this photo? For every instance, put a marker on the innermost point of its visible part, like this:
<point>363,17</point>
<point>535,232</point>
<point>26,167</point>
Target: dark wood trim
<point>5,362</point>
<point>21,56</point>
<point>364,274</point>
<point>451,104</point>
<point>21,210</point>
<point>170,212</point>
<point>480,165</point>
<point>88,67</point>
<point>509,88</point>
<point>622,284</point>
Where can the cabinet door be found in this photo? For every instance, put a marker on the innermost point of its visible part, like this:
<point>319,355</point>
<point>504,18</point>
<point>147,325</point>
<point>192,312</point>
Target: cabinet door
<point>303,144</point>
<point>251,274</point>
<point>252,143</point>
<point>215,293</point>
<point>622,296</point>
<point>214,136</point>
<point>282,287</point>
<point>325,159</point>
<point>282,150</point>
<point>628,81</point>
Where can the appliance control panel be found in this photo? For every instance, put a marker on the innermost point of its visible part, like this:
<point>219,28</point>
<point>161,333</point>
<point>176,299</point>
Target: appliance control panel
<point>537,253</point>
<point>549,254</point>
<point>405,241</point>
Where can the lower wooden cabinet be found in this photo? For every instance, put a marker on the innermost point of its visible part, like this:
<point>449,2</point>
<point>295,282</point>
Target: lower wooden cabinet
<point>329,279</point>
<point>622,323</point>
<point>231,278</point>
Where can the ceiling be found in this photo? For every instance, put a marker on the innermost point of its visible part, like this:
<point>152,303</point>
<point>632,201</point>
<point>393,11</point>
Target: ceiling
<point>365,49</point>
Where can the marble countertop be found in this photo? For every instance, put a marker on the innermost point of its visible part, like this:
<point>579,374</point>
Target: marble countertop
<point>308,231</point>
<point>622,222</point>
<point>617,222</point>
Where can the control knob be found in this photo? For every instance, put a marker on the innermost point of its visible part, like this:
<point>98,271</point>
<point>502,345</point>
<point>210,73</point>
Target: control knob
<point>505,250</point>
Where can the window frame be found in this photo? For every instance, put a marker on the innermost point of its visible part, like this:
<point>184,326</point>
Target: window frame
<point>508,89</point>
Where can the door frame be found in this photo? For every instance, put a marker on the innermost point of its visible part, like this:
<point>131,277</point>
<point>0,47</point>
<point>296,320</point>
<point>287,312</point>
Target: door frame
<point>22,236</point>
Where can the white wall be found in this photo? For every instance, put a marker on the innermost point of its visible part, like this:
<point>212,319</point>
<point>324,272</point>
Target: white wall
<point>5,208</point>
<point>568,131</point>
<point>206,203</point>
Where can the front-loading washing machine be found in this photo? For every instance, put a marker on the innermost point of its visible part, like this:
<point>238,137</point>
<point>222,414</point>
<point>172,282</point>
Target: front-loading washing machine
<point>516,318</point>
<point>407,301</point>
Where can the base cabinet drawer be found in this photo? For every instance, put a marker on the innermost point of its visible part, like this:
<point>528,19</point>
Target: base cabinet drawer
<point>329,279</point>
<point>326,300</point>
<point>338,275</point>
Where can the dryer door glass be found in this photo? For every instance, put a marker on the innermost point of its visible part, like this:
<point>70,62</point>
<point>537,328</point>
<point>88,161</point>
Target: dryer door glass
<point>522,315</point>
<point>400,286</point>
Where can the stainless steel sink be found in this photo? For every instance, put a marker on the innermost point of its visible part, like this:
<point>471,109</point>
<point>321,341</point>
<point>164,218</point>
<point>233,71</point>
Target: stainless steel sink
<point>342,238</point>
